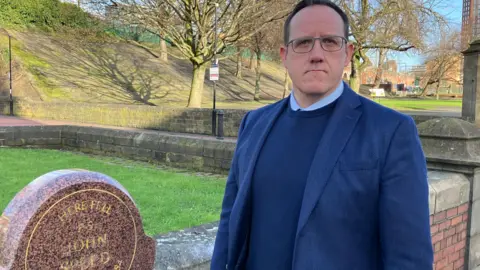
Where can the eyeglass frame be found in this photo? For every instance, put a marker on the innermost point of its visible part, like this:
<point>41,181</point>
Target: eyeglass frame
<point>344,42</point>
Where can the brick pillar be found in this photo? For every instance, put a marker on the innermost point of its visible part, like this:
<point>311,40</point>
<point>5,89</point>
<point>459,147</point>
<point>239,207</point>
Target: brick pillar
<point>453,145</point>
<point>449,233</point>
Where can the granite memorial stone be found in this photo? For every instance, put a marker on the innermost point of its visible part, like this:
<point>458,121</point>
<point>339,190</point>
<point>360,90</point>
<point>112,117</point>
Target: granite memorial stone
<point>74,219</point>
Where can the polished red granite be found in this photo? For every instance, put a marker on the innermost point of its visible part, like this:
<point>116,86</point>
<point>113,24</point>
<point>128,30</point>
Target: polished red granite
<point>74,219</point>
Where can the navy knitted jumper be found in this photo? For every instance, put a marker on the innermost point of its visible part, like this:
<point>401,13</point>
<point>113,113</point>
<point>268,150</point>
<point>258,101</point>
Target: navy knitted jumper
<point>278,184</point>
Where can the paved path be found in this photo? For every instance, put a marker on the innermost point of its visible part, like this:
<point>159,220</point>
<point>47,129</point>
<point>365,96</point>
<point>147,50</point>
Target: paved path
<point>6,121</point>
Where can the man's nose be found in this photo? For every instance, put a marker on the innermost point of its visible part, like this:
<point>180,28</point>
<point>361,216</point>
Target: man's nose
<point>317,54</point>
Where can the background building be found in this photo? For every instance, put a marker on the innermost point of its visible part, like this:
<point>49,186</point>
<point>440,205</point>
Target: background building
<point>470,21</point>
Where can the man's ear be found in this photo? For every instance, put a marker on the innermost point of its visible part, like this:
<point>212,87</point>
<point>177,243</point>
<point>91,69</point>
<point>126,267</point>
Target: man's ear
<point>283,54</point>
<point>350,49</point>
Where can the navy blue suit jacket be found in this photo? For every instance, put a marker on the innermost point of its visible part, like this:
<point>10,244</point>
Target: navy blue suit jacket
<point>365,204</point>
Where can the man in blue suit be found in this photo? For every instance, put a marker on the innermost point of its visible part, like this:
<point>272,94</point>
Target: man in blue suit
<point>324,179</point>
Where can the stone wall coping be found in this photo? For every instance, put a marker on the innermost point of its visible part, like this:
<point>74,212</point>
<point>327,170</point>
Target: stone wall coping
<point>142,132</point>
<point>459,162</point>
<point>447,127</point>
<point>447,190</point>
<point>186,249</point>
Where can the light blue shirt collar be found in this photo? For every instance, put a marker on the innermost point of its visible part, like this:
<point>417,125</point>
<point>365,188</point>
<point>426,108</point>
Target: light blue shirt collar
<point>319,104</point>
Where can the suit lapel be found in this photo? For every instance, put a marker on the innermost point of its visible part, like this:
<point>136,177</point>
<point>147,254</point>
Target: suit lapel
<point>337,133</point>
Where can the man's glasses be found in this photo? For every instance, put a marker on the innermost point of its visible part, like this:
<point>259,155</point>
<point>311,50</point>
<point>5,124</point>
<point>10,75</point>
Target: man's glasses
<point>328,43</point>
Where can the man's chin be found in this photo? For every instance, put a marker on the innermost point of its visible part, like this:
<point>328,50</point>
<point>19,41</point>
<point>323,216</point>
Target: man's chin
<point>316,90</point>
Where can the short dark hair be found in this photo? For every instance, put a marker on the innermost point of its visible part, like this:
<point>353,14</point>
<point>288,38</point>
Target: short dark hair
<point>306,3</point>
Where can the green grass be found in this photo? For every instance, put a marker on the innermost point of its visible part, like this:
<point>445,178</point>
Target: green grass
<point>167,200</point>
<point>421,104</point>
<point>35,65</point>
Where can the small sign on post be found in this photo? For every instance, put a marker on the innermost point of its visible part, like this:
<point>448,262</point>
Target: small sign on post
<point>214,72</point>
<point>377,92</point>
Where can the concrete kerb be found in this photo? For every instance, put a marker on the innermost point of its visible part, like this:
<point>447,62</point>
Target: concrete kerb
<point>190,248</point>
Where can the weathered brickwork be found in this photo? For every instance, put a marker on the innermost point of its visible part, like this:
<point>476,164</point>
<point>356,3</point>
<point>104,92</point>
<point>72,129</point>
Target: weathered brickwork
<point>449,233</point>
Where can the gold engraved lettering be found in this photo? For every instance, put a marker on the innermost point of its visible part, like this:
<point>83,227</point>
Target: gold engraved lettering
<point>62,217</point>
<point>93,259</point>
<point>85,207</point>
<point>66,265</point>
<point>78,207</point>
<point>86,244</point>
<point>90,243</point>
<point>68,251</point>
<point>92,203</point>
<point>104,257</point>
<point>91,247</point>
<point>88,262</point>
<point>103,240</point>
<point>88,225</point>
<point>78,245</point>
<point>84,263</point>
<point>106,208</point>
<point>80,227</point>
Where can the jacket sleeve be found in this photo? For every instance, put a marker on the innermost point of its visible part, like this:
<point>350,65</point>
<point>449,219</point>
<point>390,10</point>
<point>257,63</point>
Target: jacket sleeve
<point>220,251</point>
<point>404,217</point>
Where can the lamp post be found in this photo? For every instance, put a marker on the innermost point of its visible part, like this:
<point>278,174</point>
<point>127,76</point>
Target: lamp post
<point>215,63</point>
<point>10,73</point>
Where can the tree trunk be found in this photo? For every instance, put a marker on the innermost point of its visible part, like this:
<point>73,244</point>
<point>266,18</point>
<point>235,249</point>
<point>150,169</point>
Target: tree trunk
<point>436,91</point>
<point>252,62</point>
<point>238,73</point>
<point>79,3</point>
<point>378,75</point>
<point>424,92</point>
<point>285,84</point>
<point>258,74</point>
<point>354,75</point>
<point>163,53</point>
<point>196,90</point>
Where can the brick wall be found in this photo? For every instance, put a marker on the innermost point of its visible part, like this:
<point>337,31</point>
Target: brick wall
<point>449,232</point>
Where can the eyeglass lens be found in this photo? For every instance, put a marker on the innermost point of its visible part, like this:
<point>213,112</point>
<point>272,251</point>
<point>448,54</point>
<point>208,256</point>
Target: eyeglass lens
<point>303,45</point>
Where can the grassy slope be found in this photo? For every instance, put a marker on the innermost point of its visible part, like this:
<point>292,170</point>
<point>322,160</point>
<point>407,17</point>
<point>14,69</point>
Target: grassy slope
<point>63,68</point>
<point>166,200</point>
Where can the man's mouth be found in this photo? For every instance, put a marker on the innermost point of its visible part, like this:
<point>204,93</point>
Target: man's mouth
<point>316,70</point>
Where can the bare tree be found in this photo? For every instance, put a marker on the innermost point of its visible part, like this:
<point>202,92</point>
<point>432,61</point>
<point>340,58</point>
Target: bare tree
<point>443,62</point>
<point>190,26</point>
<point>264,42</point>
<point>404,24</point>
<point>120,14</point>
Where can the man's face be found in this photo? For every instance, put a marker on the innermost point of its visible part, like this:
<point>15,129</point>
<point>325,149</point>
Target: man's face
<point>316,73</point>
